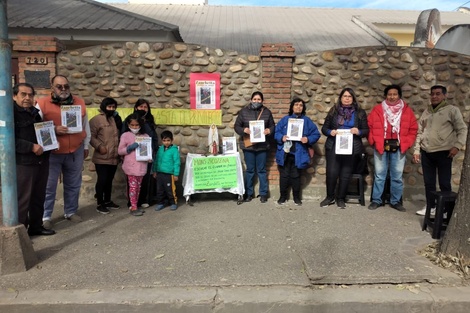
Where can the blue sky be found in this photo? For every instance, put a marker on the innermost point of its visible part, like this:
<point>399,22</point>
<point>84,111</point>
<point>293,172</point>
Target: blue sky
<point>441,5</point>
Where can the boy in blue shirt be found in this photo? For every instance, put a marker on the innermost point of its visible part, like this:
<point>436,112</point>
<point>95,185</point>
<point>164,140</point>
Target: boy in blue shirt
<point>166,168</point>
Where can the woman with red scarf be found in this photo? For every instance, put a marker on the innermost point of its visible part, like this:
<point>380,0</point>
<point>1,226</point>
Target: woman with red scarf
<point>393,128</point>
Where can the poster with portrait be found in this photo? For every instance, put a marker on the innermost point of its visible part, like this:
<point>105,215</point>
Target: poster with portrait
<point>204,91</point>
<point>71,117</point>
<point>45,135</point>
<point>229,145</point>
<point>144,150</point>
<point>295,129</point>
<point>344,141</point>
<point>257,131</point>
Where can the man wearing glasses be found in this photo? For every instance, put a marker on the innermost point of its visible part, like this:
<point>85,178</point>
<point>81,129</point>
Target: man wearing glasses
<point>442,133</point>
<point>73,148</point>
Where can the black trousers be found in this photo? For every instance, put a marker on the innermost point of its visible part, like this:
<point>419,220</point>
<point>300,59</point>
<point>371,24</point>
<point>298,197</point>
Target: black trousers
<point>104,182</point>
<point>289,176</point>
<point>166,189</point>
<point>31,188</point>
<point>339,168</point>
<point>436,164</point>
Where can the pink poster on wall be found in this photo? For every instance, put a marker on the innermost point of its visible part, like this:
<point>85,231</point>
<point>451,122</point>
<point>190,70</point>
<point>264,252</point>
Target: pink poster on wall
<point>204,91</point>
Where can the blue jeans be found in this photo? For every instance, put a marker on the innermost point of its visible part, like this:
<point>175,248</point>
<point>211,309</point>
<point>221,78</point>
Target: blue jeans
<point>71,165</point>
<point>395,161</point>
<point>256,160</point>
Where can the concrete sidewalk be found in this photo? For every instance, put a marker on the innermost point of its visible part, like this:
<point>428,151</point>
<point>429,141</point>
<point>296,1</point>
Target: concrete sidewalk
<point>223,257</point>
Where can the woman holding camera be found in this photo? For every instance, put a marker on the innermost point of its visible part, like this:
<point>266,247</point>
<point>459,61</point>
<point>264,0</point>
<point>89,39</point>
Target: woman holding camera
<point>393,128</point>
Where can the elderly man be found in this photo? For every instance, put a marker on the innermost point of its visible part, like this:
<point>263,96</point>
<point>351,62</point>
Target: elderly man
<point>442,133</point>
<point>73,149</point>
<point>32,163</point>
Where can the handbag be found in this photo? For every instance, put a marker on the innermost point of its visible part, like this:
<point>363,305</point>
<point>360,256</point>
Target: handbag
<point>246,138</point>
<point>391,145</point>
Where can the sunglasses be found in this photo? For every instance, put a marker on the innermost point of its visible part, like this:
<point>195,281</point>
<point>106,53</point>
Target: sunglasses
<point>62,87</point>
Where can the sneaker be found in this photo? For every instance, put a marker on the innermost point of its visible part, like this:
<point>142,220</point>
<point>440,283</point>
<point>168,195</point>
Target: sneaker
<point>102,209</point>
<point>281,201</point>
<point>136,212</point>
<point>248,198</point>
<point>327,202</point>
<point>263,199</point>
<point>341,204</point>
<point>47,224</point>
<point>159,207</point>
<point>297,202</point>
<point>173,207</point>
<point>399,207</point>
<point>111,205</point>
<point>140,209</point>
<point>145,205</point>
<point>373,205</point>
<point>422,212</point>
<point>74,218</point>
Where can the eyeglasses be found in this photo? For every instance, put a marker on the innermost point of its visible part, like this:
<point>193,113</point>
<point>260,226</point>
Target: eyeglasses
<point>25,94</point>
<point>62,87</point>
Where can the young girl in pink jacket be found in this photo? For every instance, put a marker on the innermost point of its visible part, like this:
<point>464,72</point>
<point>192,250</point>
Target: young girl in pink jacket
<point>135,170</point>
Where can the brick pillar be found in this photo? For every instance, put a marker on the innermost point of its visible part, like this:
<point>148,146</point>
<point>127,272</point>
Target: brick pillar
<point>277,61</point>
<point>37,55</point>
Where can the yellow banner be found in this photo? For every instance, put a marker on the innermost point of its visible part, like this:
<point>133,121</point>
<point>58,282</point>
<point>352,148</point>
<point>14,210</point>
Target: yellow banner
<point>173,116</point>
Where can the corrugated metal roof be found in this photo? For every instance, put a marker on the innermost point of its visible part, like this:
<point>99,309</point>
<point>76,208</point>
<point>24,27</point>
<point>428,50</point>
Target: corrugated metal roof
<point>78,15</point>
<point>245,28</point>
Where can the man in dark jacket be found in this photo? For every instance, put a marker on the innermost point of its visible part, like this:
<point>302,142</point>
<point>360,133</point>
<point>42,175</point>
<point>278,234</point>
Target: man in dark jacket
<point>32,163</point>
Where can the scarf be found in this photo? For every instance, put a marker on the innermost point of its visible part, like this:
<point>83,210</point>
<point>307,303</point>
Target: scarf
<point>435,109</point>
<point>392,116</point>
<point>60,101</point>
<point>345,114</point>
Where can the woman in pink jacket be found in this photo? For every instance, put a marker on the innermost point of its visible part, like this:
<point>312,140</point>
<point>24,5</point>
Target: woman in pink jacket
<point>135,170</point>
<point>392,131</point>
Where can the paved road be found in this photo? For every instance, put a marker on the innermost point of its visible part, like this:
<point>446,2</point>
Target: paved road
<point>220,256</point>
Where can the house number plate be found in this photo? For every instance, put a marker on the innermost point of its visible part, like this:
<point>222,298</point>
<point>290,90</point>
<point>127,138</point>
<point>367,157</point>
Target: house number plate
<point>36,60</point>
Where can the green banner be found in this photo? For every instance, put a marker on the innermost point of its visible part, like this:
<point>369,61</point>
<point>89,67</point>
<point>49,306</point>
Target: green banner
<point>215,172</point>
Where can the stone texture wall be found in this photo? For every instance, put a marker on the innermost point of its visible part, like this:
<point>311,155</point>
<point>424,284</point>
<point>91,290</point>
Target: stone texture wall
<point>160,72</point>
<point>319,76</point>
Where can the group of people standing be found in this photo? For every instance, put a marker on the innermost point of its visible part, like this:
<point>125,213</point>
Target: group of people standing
<point>114,141</point>
<point>391,129</point>
<point>150,179</point>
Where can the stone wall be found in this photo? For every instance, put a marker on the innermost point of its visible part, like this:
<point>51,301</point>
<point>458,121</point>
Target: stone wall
<point>160,72</point>
<point>318,77</point>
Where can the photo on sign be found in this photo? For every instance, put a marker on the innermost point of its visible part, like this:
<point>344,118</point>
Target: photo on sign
<point>204,91</point>
<point>71,117</point>
<point>229,145</point>
<point>344,142</point>
<point>257,131</point>
<point>144,150</point>
<point>205,94</point>
<point>45,135</point>
<point>295,128</point>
